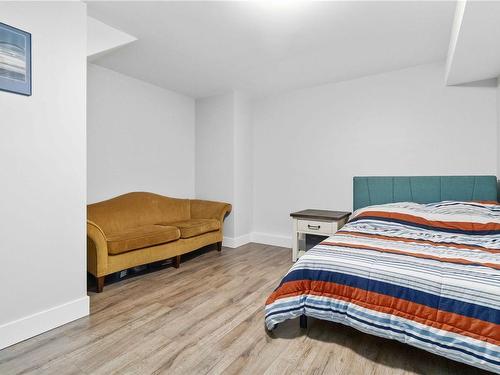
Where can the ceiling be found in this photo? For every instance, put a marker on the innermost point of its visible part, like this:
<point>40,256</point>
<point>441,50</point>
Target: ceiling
<point>475,49</point>
<point>264,47</point>
<point>102,38</point>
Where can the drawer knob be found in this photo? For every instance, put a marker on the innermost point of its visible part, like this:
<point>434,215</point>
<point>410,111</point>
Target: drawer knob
<point>314,227</point>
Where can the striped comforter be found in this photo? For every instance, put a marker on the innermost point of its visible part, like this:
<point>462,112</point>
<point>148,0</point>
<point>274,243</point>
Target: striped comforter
<point>426,275</point>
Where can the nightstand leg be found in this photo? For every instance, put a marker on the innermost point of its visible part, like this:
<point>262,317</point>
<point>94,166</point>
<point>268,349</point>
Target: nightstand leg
<point>295,241</point>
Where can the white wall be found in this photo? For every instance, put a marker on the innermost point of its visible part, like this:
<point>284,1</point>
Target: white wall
<point>42,164</point>
<point>224,160</point>
<point>215,152</point>
<point>309,143</point>
<point>139,137</point>
<point>243,168</point>
<point>498,127</point>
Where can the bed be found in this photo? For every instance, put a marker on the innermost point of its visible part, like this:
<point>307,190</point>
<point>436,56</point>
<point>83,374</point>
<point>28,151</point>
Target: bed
<point>418,262</point>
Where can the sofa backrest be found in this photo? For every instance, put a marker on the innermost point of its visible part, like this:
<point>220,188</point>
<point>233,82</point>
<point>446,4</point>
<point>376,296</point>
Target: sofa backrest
<point>138,208</point>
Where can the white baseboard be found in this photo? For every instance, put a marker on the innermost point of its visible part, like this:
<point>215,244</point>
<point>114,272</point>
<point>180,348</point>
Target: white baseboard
<point>272,239</point>
<point>258,237</point>
<point>234,242</point>
<point>32,325</point>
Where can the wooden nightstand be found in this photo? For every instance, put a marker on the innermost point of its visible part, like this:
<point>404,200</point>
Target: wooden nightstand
<point>318,222</point>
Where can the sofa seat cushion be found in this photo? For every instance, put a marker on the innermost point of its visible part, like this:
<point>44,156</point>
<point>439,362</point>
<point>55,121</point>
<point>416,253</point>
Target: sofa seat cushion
<point>195,227</point>
<point>140,237</point>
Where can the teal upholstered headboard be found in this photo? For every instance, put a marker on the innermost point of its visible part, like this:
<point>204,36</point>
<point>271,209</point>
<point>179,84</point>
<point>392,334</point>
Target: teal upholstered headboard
<point>368,191</point>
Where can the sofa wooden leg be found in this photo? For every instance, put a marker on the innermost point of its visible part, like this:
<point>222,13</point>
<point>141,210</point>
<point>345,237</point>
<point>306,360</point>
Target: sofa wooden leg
<point>219,246</point>
<point>100,284</point>
<point>177,261</point>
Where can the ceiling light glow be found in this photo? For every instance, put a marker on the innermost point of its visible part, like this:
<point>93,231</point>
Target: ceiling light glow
<point>281,5</point>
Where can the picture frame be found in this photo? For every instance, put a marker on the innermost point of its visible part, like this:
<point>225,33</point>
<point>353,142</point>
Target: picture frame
<point>15,60</point>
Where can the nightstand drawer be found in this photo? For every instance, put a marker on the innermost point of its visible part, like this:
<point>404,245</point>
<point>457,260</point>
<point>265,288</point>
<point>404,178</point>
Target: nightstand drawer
<point>313,221</point>
<point>315,226</point>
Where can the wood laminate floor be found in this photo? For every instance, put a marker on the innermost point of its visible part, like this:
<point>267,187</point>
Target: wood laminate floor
<point>207,317</point>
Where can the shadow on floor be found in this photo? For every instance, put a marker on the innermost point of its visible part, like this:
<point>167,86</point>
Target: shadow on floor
<point>390,353</point>
<point>145,269</point>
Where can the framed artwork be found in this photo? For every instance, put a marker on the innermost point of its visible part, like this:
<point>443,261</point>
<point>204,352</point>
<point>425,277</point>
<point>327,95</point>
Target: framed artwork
<point>15,60</point>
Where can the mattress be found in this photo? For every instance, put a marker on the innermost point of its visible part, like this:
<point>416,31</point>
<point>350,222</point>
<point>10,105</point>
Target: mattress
<point>424,274</point>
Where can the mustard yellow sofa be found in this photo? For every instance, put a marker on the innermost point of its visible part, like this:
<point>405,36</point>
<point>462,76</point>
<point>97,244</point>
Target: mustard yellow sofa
<point>139,228</point>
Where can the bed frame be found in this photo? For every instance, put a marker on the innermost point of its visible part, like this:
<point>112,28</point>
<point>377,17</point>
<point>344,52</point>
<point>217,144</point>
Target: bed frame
<point>368,191</point>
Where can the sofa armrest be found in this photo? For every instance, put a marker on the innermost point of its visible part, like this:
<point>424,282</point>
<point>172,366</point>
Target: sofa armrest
<point>97,250</point>
<point>201,209</point>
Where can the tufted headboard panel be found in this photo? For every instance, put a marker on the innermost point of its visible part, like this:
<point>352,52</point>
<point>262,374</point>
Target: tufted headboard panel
<point>368,191</point>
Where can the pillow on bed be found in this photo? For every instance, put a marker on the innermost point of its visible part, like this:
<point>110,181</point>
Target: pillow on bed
<point>467,218</point>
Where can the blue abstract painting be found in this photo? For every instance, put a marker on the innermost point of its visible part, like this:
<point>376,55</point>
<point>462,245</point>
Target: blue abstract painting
<point>15,60</point>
